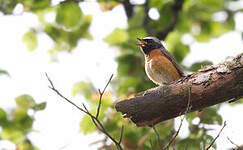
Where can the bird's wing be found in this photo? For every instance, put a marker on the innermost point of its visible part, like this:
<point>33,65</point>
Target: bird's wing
<point>172,59</point>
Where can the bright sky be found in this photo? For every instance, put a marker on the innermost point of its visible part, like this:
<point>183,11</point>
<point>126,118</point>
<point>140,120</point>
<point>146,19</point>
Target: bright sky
<point>57,127</point>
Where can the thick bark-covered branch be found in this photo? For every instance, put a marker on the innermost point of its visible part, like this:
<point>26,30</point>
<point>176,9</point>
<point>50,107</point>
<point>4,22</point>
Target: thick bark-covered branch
<point>209,86</point>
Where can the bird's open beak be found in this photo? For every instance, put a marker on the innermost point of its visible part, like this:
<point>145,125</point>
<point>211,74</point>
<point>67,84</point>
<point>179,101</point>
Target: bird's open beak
<point>142,42</point>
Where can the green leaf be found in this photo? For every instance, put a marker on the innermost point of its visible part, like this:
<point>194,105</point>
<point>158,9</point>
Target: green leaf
<point>83,88</point>
<point>137,19</point>
<point>69,14</point>
<point>136,33</point>
<point>212,5</point>
<point>184,24</point>
<point>7,6</point>
<point>157,3</point>
<point>25,101</point>
<point>218,28</point>
<point>125,67</point>
<point>30,40</point>
<point>35,5</point>
<point>180,51</point>
<point>208,140</point>
<point>211,116</point>
<point>118,36</point>
<point>86,125</point>
<point>40,106</point>
<point>26,145</point>
<point>3,72</point>
<point>203,37</point>
<point>3,115</point>
<point>68,39</point>
<point>22,120</point>
<point>175,46</point>
<point>190,143</point>
<point>165,16</point>
<point>128,85</point>
<point>12,134</point>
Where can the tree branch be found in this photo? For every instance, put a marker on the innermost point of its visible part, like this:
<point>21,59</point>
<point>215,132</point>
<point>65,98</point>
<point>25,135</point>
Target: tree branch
<point>238,147</point>
<point>158,137</point>
<point>176,8</point>
<point>101,94</point>
<point>146,18</point>
<point>128,8</point>
<point>216,137</point>
<point>94,119</point>
<point>210,85</point>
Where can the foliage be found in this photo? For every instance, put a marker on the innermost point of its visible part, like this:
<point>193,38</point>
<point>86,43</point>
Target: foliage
<point>3,72</point>
<point>177,18</point>
<point>30,39</point>
<point>17,124</point>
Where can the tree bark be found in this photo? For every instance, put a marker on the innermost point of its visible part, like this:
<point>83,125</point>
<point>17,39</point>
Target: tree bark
<point>209,86</point>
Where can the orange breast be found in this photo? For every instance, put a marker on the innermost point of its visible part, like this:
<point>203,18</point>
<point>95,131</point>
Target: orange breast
<point>159,68</point>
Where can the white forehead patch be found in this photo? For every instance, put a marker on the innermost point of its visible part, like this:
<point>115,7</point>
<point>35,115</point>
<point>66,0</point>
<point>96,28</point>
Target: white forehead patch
<point>152,38</point>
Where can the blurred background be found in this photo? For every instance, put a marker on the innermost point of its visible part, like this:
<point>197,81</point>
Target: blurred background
<point>80,43</point>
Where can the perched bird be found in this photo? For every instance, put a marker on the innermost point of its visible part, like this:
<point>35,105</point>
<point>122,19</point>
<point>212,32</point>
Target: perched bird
<point>160,66</point>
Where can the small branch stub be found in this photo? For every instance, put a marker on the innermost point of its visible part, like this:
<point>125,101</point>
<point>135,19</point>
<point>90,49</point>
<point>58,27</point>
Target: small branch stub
<point>209,86</point>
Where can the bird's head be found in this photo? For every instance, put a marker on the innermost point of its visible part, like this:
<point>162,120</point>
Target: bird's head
<point>148,44</point>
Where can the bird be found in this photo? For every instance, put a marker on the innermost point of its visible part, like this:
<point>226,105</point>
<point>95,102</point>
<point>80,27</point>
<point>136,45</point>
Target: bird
<point>160,65</point>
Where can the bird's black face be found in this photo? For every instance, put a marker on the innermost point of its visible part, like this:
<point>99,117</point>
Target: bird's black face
<point>148,44</point>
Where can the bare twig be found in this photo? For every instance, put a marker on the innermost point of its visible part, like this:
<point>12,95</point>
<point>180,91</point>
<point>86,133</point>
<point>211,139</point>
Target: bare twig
<point>182,119</point>
<point>146,18</point>
<point>238,147</point>
<point>175,9</point>
<point>173,147</point>
<point>151,144</point>
<point>94,119</point>
<point>157,135</point>
<point>175,135</point>
<point>216,137</point>
<point>101,94</point>
<point>128,8</point>
<point>186,147</point>
<point>58,93</point>
<point>121,134</point>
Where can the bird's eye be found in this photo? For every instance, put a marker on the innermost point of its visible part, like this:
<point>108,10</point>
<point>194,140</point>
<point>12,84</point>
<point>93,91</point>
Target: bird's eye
<point>149,40</point>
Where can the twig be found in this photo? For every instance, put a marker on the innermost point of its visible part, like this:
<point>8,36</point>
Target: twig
<point>94,119</point>
<point>121,134</point>
<point>146,18</point>
<point>177,132</point>
<point>238,147</point>
<point>186,147</point>
<point>101,94</point>
<point>157,135</point>
<point>175,135</point>
<point>151,144</point>
<point>173,147</point>
<point>58,93</point>
<point>216,137</point>
<point>128,8</point>
<point>175,9</point>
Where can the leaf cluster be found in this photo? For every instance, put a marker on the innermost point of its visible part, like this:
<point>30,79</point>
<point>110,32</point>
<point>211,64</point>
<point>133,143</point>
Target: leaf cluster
<point>17,124</point>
